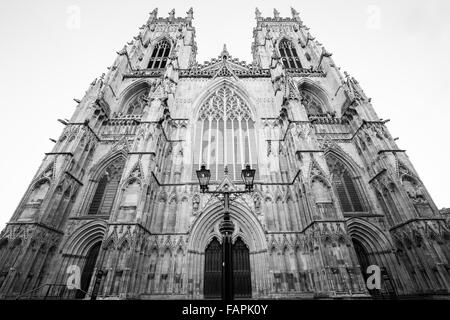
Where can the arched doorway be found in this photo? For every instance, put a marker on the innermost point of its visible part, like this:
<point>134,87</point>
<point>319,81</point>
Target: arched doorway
<point>387,289</point>
<point>200,246</point>
<point>213,270</point>
<point>363,257</point>
<point>88,271</point>
<point>242,283</point>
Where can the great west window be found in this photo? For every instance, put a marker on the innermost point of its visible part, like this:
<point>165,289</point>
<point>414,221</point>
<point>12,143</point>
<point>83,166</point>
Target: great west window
<point>224,135</point>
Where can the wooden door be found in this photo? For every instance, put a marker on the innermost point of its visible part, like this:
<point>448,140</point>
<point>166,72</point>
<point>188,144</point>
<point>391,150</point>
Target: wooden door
<point>88,271</point>
<point>213,270</point>
<point>242,283</point>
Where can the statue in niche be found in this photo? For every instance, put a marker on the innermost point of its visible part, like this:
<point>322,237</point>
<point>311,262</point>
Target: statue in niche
<point>269,36</point>
<point>178,160</point>
<point>195,203</point>
<point>257,203</point>
<point>414,191</point>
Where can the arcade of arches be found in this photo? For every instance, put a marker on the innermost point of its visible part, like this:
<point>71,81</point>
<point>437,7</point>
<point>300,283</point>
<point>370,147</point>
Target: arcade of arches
<point>117,198</point>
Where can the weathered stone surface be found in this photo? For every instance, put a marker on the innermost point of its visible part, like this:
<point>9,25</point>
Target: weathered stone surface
<point>118,193</point>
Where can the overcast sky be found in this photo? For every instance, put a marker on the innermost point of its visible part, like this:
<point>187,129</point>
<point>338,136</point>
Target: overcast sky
<point>52,50</point>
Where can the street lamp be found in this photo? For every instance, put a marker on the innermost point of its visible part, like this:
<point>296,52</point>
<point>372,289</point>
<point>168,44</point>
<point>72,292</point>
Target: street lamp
<point>203,176</point>
<point>248,175</point>
<point>226,227</point>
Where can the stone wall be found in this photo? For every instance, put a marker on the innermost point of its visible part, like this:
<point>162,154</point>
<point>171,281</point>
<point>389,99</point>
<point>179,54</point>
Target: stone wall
<point>331,179</point>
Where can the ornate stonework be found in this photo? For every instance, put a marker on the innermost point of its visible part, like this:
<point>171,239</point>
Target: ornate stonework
<point>118,193</point>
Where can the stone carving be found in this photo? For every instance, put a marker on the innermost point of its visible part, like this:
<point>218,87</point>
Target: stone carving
<point>257,13</point>
<point>195,203</point>
<point>142,207</point>
<point>257,202</point>
<point>276,14</point>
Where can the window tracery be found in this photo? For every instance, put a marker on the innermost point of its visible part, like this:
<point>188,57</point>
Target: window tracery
<point>226,134</point>
<point>348,193</point>
<point>106,190</point>
<point>160,54</point>
<point>137,103</point>
<point>289,55</point>
<point>313,105</point>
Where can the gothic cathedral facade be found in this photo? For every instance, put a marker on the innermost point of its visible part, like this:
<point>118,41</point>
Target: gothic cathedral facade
<point>117,202</point>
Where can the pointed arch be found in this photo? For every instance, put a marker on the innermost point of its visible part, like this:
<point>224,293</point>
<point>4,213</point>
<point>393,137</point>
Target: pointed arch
<point>34,198</point>
<point>106,160</point>
<point>132,180</point>
<point>369,235</point>
<point>288,53</point>
<point>88,269</point>
<point>224,129</point>
<point>166,37</point>
<point>133,98</point>
<point>110,242</point>
<point>84,238</point>
<point>130,90</point>
<point>342,156</point>
<point>160,53</point>
<point>123,243</point>
<point>203,229</point>
<point>39,190</point>
<point>346,182</point>
<point>213,269</point>
<point>314,97</point>
<point>316,170</point>
<point>373,247</point>
<point>105,182</point>
<point>135,174</point>
<point>242,285</point>
<point>235,85</point>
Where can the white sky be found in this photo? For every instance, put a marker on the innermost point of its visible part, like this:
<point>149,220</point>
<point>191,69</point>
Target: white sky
<point>401,60</point>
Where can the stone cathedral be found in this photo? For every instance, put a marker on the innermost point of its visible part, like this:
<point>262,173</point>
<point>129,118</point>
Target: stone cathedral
<point>116,205</point>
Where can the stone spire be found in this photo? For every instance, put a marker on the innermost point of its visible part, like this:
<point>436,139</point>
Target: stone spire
<point>276,14</point>
<point>172,15</point>
<point>257,14</point>
<point>190,14</point>
<point>295,15</point>
<point>224,53</point>
<point>153,14</point>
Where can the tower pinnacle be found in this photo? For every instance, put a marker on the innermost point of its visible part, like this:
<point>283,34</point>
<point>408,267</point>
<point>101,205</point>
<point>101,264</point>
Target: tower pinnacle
<point>295,14</point>
<point>89,204</point>
<point>276,14</point>
<point>172,15</point>
<point>190,13</point>
<point>257,14</point>
<point>224,53</point>
<point>154,13</point>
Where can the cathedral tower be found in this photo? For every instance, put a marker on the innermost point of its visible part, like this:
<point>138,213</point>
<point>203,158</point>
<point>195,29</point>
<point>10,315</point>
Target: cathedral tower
<point>116,203</point>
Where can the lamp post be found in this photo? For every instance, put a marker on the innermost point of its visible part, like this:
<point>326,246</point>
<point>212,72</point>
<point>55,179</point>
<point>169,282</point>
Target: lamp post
<point>226,227</point>
<point>98,280</point>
